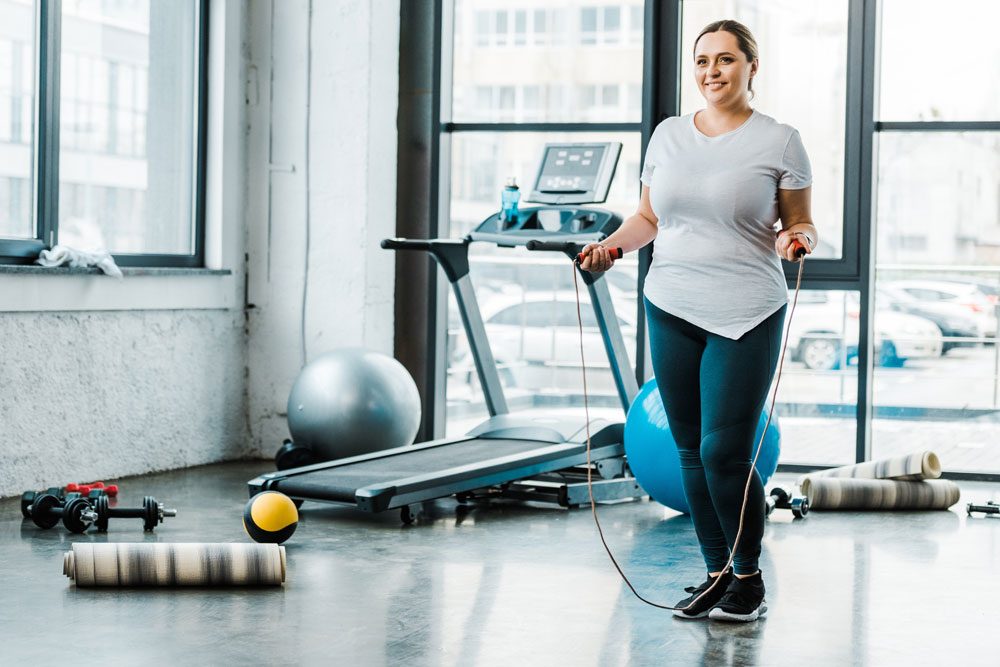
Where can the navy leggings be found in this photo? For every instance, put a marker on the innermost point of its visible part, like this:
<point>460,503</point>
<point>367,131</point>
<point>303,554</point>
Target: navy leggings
<point>713,389</point>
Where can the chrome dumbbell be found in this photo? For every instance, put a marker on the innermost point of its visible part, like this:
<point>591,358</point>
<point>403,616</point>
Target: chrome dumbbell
<point>781,499</point>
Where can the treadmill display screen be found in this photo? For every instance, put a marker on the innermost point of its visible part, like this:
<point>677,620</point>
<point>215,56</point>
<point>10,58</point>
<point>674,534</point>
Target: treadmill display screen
<point>570,169</point>
<point>575,173</point>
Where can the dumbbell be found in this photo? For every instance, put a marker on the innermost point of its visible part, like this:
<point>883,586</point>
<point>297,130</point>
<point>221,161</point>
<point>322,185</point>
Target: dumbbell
<point>77,514</point>
<point>151,513</point>
<point>989,508</point>
<point>28,497</point>
<point>781,499</point>
<point>110,489</point>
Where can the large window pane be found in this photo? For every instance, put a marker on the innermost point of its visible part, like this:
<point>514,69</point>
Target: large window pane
<point>939,62</point>
<point>127,130</point>
<point>573,48</point>
<point>938,258</point>
<point>17,126</point>
<point>801,82</point>
<point>527,298</point>
<point>818,388</point>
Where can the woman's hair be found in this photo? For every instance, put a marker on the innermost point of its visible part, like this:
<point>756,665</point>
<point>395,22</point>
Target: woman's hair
<point>748,45</point>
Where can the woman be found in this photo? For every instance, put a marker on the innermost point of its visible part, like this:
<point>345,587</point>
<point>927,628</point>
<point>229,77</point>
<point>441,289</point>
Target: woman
<point>714,185</point>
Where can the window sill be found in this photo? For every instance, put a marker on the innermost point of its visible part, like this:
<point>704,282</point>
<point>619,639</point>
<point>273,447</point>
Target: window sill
<point>28,288</point>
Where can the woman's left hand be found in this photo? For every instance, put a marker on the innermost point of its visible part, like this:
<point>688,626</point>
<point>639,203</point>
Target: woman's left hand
<point>787,244</point>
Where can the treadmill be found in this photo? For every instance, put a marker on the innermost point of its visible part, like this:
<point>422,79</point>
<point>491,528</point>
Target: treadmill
<point>508,455</point>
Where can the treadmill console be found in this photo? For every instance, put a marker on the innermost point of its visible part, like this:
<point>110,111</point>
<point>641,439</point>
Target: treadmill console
<point>570,174</point>
<point>575,173</point>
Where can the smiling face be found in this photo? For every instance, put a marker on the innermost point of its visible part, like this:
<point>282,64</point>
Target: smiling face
<point>721,70</point>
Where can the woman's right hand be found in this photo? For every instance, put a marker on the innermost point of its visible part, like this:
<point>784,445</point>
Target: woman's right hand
<point>596,258</point>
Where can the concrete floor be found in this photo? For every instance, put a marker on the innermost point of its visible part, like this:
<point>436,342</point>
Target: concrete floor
<point>510,585</point>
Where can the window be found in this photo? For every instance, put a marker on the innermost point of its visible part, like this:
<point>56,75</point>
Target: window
<point>555,59</point>
<point>904,140</point>
<point>17,122</point>
<point>937,226</point>
<point>125,174</point>
<point>957,77</point>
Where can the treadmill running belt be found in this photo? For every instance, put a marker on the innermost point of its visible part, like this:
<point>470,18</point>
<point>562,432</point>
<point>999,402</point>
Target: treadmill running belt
<point>340,483</point>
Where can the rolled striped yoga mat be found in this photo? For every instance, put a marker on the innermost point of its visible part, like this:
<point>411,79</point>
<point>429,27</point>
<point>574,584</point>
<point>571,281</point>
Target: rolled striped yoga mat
<point>915,466</point>
<point>177,564</point>
<point>827,493</point>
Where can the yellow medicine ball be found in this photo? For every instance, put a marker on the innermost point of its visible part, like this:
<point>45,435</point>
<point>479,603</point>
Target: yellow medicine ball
<point>270,517</point>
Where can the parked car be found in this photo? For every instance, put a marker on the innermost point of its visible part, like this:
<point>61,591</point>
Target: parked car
<point>535,339</point>
<point>966,296</point>
<point>824,333</point>
<point>958,324</point>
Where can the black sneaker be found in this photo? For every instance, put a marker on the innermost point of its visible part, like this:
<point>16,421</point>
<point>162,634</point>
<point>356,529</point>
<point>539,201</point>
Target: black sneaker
<point>743,601</point>
<point>700,610</point>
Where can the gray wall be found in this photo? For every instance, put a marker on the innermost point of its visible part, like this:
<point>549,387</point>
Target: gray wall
<point>94,395</point>
<point>115,387</point>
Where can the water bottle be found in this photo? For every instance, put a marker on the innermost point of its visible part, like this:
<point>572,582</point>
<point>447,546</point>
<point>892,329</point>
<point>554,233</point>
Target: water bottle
<point>508,201</point>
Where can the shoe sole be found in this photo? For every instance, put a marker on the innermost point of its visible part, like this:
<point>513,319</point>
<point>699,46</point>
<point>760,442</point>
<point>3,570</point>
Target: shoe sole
<point>680,614</point>
<point>717,614</point>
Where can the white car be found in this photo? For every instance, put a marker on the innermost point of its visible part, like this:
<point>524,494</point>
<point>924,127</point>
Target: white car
<point>824,333</point>
<point>535,339</point>
<point>965,297</point>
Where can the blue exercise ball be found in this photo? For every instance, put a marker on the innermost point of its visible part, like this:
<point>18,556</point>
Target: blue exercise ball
<point>652,450</point>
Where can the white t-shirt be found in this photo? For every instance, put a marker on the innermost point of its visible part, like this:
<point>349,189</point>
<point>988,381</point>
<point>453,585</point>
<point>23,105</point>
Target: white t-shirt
<point>716,198</point>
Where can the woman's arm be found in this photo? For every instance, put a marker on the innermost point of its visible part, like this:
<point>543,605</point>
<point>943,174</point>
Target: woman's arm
<point>637,231</point>
<point>795,212</point>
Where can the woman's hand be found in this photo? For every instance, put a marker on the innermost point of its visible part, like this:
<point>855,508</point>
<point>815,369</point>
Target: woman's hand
<point>786,247</point>
<point>596,258</point>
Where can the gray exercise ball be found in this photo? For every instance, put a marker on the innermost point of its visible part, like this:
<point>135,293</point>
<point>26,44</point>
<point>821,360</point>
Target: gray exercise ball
<point>353,401</point>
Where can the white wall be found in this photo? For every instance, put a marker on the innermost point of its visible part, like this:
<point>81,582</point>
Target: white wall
<point>322,92</point>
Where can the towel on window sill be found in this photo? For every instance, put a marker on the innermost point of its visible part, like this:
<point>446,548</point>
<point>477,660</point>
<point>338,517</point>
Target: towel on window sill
<point>61,254</point>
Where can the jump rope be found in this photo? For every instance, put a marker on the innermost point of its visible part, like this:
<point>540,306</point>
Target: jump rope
<point>616,253</point>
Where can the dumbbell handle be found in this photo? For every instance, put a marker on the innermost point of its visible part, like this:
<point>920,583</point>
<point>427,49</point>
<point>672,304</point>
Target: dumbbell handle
<point>136,512</point>
<point>989,508</point>
<point>151,512</point>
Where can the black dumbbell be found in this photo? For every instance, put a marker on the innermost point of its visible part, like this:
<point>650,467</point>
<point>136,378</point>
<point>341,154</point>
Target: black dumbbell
<point>77,514</point>
<point>781,499</point>
<point>151,513</point>
<point>989,508</point>
<point>28,497</point>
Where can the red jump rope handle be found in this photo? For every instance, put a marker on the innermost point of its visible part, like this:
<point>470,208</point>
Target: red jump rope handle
<point>798,249</point>
<point>616,253</point>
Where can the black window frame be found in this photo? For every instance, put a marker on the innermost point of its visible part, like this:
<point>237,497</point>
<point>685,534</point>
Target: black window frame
<point>45,180</point>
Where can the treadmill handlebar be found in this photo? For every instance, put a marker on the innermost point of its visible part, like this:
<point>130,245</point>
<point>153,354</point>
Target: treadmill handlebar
<point>451,254</point>
<point>570,248</point>
<point>399,243</point>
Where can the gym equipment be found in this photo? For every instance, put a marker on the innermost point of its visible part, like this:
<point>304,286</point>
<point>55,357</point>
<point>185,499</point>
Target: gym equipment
<point>915,466</point>
<point>270,517</point>
<point>83,488</point>
<point>166,564</point>
<point>989,508</point>
<point>350,402</point>
<point>652,450</point>
<point>77,514</point>
<point>151,513</point>
<point>829,493</point>
<point>510,456</point>
<point>779,498</point>
<point>291,455</point>
<point>28,497</point>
